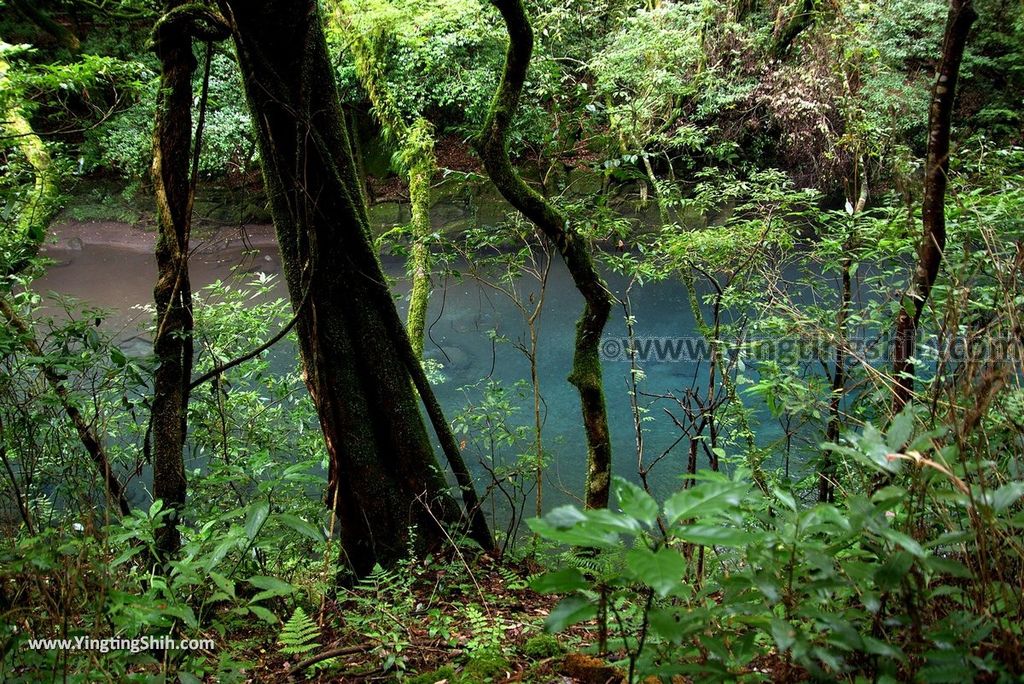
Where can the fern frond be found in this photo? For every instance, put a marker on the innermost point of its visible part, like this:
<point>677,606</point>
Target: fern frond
<point>299,634</point>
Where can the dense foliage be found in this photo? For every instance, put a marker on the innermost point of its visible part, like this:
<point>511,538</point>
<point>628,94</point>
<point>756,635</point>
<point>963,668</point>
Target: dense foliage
<point>767,156</point>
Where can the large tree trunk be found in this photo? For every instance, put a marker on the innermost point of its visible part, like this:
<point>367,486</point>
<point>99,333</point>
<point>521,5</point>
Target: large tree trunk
<point>933,242</point>
<point>62,34</point>
<point>358,362</point>
<point>172,343</point>
<point>492,145</point>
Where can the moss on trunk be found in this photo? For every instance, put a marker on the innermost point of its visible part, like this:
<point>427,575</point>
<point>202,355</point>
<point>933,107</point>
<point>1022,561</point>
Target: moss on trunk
<point>492,145</point>
<point>43,199</point>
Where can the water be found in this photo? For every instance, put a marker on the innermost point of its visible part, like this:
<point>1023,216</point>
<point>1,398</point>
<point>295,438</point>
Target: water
<point>111,266</point>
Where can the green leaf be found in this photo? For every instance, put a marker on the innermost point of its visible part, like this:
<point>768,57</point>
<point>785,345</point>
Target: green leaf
<point>564,517</point>
<point>890,573</point>
<point>568,612</point>
<point>263,614</point>
<point>662,570</point>
<point>785,498</point>
<point>908,543</point>
<point>783,633</point>
<point>255,518</point>
<point>223,583</point>
<point>668,624</point>
<point>304,528</point>
<point>1006,496</point>
<point>635,502</point>
<point>271,587</point>
<point>559,581</point>
<point>901,429</point>
<point>704,500</point>
<point>714,535</point>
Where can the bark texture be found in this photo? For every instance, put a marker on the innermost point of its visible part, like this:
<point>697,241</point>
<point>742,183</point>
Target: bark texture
<point>172,343</point>
<point>492,146</point>
<point>933,213</point>
<point>383,477</point>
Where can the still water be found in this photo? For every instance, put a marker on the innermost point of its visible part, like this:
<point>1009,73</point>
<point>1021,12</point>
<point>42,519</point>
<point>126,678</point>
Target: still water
<point>111,266</point>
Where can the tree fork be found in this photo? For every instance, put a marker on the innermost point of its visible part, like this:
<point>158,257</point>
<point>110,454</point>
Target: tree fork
<point>492,146</point>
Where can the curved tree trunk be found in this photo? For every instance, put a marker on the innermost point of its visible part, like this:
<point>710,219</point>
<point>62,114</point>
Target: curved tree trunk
<point>43,200</point>
<point>933,242</point>
<point>383,477</point>
<point>492,145</point>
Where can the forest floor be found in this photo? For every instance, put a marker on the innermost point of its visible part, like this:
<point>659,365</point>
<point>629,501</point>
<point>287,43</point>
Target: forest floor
<point>437,642</point>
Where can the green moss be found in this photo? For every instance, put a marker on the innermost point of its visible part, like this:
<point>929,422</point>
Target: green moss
<point>541,646</point>
<point>484,667</point>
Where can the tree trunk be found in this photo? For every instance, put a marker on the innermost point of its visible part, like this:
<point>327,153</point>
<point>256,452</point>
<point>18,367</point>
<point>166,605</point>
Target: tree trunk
<point>86,432</point>
<point>62,34</point>
<point>802,19</point>
<point>492,145</point>
<point>827,476</point>
<point>933,242</point>
<point>42,200</point>
<point>421,170</point>
<point>383,477</point>
<point>174,189</point>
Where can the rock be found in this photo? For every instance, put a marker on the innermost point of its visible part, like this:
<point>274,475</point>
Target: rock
<point>75,243</point>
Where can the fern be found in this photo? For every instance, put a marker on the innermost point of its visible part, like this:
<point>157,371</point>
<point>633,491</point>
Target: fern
<point>299,635</point>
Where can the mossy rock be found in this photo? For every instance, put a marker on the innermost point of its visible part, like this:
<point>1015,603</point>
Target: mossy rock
<point>541,646</point>
<point>484,667</point>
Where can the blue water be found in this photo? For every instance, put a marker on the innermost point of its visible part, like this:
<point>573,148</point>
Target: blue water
<point>463,318</point>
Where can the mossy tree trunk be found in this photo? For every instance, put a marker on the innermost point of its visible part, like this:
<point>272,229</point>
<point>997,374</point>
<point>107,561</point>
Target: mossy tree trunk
<point>62,34</point>
<point>172,343</point>
<point>19,245</point>
<point>492,145</point>
<point>358,362</point>
<point>421,171</point>
<point>933,208</point>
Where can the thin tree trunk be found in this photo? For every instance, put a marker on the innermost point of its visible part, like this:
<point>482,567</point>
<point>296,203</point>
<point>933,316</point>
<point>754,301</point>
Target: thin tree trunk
<point>358,362</point>
<point>173,342</point>
<point>86,433</point>
<point>421,171</point>
<point>933,242</point>
<point>492,145</point>
<point>827,476</point>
